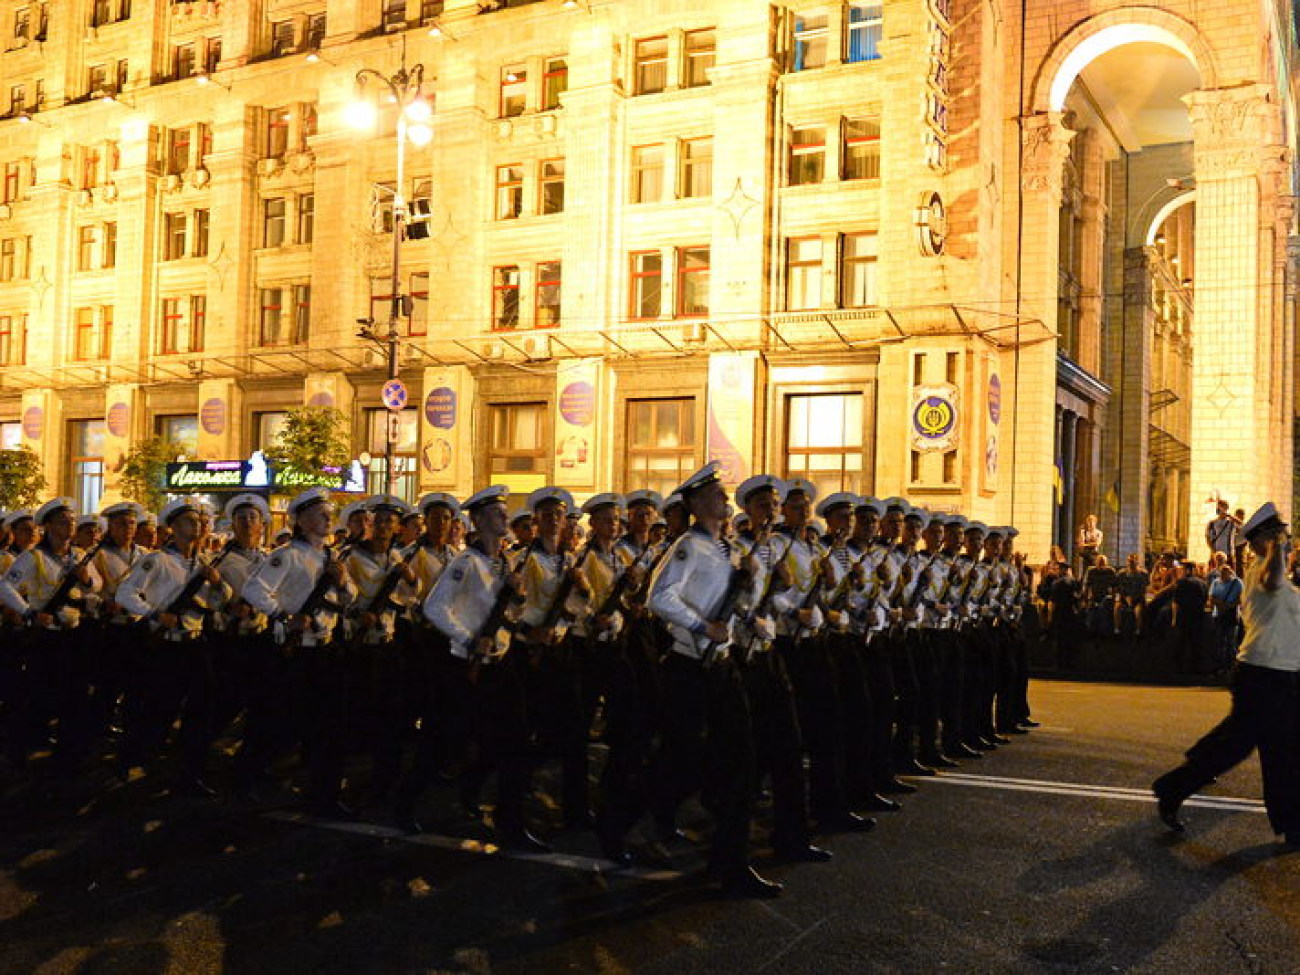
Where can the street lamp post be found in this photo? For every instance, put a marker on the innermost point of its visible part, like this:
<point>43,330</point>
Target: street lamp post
<point>403,89</point>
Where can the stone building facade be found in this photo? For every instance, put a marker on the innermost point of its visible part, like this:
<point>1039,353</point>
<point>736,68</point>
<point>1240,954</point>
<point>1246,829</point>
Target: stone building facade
<point>919,246</point>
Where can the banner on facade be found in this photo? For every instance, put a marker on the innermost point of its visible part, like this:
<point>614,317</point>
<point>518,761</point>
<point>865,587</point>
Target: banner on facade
<point>443,424</point>
<point>993,419</point>
<point>731,414</point>
<point>934,417</point>
<point>577,385</point>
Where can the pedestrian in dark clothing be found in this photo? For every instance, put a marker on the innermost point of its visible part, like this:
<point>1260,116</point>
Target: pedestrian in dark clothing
<point>1190,596</point>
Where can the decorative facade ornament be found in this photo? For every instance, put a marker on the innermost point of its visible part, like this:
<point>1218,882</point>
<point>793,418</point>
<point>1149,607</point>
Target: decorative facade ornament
<point>1045,148</point>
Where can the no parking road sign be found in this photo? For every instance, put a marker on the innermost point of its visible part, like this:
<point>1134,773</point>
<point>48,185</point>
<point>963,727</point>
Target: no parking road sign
<point>394,395</point>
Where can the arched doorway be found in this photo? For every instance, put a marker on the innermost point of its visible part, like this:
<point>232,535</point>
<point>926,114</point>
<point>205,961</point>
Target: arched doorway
<point>1125,284</point>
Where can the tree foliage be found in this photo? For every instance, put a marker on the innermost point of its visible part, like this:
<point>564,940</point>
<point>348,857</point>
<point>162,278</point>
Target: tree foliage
<point>21,478</point>
<point>312,439</point>
<point>144,471</point>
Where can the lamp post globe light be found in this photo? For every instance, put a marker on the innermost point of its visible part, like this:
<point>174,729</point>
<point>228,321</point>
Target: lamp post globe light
<point>414,114</point>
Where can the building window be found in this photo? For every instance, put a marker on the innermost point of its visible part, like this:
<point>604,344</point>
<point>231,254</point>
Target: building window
<point>862,148</point>
<point>858,274</point>
<point>701,53</point>
<point>86,462</point>
<point>419,325</point>
<point>316,26</point>
<point>93,338</point>
<point>178,150</point>
<point>866,25</point>
<point>301,313</point>
<point>510,191</point>
<point>405,452</point>
<point>202,226</point>
<point>182,432</point>
<point>90,160</point>
<point>110,244</point>
<point>173,236</point>
<point>271,321</point>
<point>697,167</point>
<point>181,332</point>
<point>13,340</point>
<point>555,82</point>
<point>547,299</point>
<point>647,284</point>
<point>647,174</point>
<point>277,132</point>
<point>518,439</point>
<point>310,123</point>
<point>809,40</point>
<point>22,24</point>
<point>824,440</point>
<point>551,183</point>
<point>17,99</point>
<point>212,55</point>
<point>86,241</point>
<point>306,217</point>
<point>11,435</point>
<point>8,258</point>
<point>281,38</point>
<point>660,444</point>
<point>803,273</point>
<point>505,297</point>
<point>514,90</point>
<point>692,282</point>
<point>13,182</point>
<point>651,69</point>
<point>273,222</point>
<point>394,15</point>
<point>381,299</point>
<point>184,58</point>
<point>807,155</point>
<point>268,427</point>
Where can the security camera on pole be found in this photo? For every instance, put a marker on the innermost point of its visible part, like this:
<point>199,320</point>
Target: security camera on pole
<point>414,114</point>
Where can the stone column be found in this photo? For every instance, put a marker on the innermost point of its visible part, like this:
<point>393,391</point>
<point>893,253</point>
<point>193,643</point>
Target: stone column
<point>1045,145</point>
<point>1069,443</point>
<point>1130,420</point>
<point>1241,438</point>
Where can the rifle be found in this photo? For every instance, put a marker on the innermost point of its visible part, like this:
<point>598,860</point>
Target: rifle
<point>556,613</point>
<point>815,592</point>
<point>764,599</point>
<point>910,602</point>
<point>385,591</point>
<point>315,599</point>
<point>194,583</point>
<point>741,579</point>
<point>62,595</point>
<point>494,627</point>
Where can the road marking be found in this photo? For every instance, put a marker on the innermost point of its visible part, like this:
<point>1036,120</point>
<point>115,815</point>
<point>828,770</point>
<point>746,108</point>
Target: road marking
<point>1093,791</point>
<point>568,861</point>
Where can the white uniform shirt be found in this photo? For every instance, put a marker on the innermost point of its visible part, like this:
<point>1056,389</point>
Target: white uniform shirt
<point>1272,623</point>
<point>688,589</point>
<point>756,625</point>
<point>114,565</point>
<point>236,569</point>
<point>802,561</point>
<point>460,601</point>
<point>156,580</point>
<point>35,576</point>
<point>369,570</point>
<point>281,585</point>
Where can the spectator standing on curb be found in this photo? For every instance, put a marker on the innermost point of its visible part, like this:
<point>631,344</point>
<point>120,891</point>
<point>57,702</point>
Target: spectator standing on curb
<point>1221,531</point>
<point>1225,602</point>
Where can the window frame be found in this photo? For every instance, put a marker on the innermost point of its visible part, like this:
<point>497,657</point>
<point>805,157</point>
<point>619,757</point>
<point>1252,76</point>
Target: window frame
<point>501,290</point>
<point>636,276</point>
<point>686,280</point>
<point>645,62</point>
<point>541,282</point>
<point>538,456</point>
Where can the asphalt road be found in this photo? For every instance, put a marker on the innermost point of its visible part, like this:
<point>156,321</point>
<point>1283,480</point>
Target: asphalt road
<point>1043,857</point>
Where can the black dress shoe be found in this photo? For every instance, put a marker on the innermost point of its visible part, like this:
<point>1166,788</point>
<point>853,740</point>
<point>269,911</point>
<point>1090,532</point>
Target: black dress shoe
<point>669,833</point>
<point>982,744</point>
<point>1029,723</point>
<point>913,767</point>
<point>1013,731</point>
<point>939,761</point>
<point>845,822</point>
<point>896,787</point>
<point>580,820</point>
<point>803,854</point>
<point>748,883</point>
<point>878,803</point>
<point>999,740</point>
<point>522,841</point>
<point>962,750</point>
<point>1167,805</point>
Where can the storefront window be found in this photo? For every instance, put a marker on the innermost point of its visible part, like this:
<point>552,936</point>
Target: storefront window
<point>824,440</point>
<point>660,444</point>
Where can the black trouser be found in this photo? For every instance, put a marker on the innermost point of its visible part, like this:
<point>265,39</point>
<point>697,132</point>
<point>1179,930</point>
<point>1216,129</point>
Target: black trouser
<point>558,709</point>
<point>164,673</point>
<point>907,687</point>
<point>1263,716</point>
<point>501,731</point>
<point>856,711</point>
<point>632,713</point>
<point>778,746</point>
<point>951,658</point>
<point>269,722</point>
<point>1009,697</point>
<point>317,679</point>
<point>977,654</point>
<point>706,747</point>
<point>439,695</point>
<point>378,708</point>
<point>821,721</point>
<point>878,670</point>
<point>44,689</point>
<point>927,663</point>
